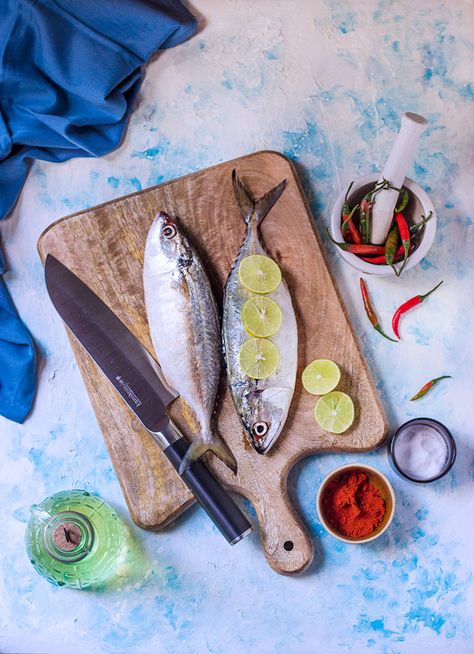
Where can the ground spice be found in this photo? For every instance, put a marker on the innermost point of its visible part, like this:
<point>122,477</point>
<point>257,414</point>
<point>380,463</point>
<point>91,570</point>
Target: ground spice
<point>352,505</point>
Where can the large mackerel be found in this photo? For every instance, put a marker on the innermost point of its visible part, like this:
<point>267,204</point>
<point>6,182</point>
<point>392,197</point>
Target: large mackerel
<point>263,404</point>
<point>184,327</point>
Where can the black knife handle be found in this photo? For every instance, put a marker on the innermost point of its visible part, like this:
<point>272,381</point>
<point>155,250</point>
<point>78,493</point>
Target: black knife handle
<point>215,501</point>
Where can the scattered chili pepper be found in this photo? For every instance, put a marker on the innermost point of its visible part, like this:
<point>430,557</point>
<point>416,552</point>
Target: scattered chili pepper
<point>406,306</point>
<point>381,258</point>
<point>356,248</point>
<point>417,226</point>
<point>369,309</point>
<point>405,236</point>
<point>404,197</point>
<point>348,229</point>
<point>391,245</point>
<point>424,389</point>
<point>366,207</point>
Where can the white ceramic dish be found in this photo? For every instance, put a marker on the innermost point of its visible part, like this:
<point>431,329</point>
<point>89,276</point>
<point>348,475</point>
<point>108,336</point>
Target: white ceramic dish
<point>418,206</point>
<point>379,480</point>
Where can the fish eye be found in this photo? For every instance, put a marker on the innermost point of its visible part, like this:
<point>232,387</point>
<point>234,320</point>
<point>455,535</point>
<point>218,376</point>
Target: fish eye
<point>168,231</point>
<point>260,429</point>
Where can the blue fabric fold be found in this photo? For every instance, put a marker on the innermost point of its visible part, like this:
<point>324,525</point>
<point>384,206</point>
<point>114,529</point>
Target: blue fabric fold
<point>17,361</point>
<point>69,73</point>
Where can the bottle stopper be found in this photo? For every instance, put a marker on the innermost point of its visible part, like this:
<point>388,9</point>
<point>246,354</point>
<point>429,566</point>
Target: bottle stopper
<point>67,537</point>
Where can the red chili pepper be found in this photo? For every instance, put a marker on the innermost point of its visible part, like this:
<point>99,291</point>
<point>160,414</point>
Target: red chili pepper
<point>355,248</point>
<point>405,236</point>
<point>354,232</point>
<point>381,259</point>
<point>370,311</point>
<point>348,228</point>
<point>406,306</point>
<point>424,389</point>
<point>366,207</point>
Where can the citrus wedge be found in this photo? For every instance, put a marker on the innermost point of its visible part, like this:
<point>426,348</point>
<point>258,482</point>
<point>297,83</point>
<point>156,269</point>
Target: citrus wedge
<point>259,274</point>
<point>321,376</point>
<point>259,358</point>
<point>261,316</point>
<point>334,412</point>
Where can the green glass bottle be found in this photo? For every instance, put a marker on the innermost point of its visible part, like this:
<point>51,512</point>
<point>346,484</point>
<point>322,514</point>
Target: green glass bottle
<point>74,539</point>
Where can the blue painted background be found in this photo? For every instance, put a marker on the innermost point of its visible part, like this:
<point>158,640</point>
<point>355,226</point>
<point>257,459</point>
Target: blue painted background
<point>326,82</point>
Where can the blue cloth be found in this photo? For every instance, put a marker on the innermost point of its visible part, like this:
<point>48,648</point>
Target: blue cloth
<point>69,73</point>
<point>17,359</point>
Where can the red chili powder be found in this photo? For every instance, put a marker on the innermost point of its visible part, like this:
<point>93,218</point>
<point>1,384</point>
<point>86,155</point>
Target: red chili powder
<point>352,505</point>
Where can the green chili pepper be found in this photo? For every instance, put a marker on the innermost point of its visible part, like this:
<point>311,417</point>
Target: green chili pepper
<point>404,197</point>
<point>345,207</point>
<point>429,385</point>
<point>418,226</point>
<point>391,246</point>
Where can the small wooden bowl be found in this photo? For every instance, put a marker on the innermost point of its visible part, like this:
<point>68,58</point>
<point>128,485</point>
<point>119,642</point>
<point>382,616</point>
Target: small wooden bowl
<point>379,480</point>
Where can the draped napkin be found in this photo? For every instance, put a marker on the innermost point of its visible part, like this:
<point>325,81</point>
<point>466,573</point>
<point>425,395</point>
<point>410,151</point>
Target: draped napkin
<point>69,73</point>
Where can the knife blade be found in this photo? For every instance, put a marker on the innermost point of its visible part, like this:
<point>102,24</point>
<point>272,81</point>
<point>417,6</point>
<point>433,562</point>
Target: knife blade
<point>138,379</point>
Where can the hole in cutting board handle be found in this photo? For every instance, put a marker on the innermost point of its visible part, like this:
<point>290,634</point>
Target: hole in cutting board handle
<point>288,545</point>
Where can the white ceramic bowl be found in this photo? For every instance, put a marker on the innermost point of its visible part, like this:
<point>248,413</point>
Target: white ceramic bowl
<point>379,480</point>
<point>419,205</point>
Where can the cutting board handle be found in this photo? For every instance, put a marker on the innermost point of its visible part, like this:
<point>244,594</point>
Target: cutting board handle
<point>286,543</point>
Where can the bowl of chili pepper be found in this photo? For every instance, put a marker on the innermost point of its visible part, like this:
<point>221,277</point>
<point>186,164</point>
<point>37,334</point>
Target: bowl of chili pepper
<point>411,234</point>
<point>355,503</point>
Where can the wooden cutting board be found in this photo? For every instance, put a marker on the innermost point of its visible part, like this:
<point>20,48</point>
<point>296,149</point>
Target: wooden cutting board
<point>104,247</point>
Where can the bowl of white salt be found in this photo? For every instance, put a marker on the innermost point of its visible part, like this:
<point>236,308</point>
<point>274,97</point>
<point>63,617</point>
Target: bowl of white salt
<point>422,450</point>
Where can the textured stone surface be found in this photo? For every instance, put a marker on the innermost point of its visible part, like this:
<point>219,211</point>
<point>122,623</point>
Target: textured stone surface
<point>325,82</point>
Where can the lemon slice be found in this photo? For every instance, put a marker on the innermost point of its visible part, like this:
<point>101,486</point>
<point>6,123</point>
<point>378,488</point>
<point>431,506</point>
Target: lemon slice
<point>334,412</point>
<point>259,274</point>
<point>259,358</point>
<point>261,316</point>
<point>321,376</point>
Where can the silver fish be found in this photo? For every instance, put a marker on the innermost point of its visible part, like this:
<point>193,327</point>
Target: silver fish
<point>184,327</point>
<point>263,404</point>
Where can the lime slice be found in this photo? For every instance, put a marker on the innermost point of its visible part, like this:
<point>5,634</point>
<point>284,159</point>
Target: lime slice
<point>259,358</point>
<point>259,274</point>
<point>321,376</point>
<point>334,412</point>
<point>261,316</point>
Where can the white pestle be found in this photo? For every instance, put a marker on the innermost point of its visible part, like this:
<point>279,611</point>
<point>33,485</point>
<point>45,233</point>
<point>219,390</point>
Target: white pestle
<point>398,163</point>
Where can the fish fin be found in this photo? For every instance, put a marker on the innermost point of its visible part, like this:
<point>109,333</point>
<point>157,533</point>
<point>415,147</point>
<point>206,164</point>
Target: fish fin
<point>248,206</point>
<point>243,196</point>
<point>199,447</point>
<point>264,204</point>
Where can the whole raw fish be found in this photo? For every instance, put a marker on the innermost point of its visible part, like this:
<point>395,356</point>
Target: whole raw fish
<point>184,328</point>
<point>262,404</point>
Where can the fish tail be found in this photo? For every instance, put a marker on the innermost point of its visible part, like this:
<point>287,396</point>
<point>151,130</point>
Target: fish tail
<point>251,207</point>
<point>199,447</point>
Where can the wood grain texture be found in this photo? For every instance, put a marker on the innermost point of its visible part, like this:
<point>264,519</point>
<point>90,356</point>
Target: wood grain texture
<point>104,246</point>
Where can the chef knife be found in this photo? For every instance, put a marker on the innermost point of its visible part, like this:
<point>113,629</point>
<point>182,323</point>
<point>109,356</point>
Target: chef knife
<point>137,377</point>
